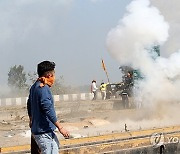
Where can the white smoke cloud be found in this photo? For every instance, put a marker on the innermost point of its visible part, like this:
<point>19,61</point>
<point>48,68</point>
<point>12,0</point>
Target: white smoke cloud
<point>141,27</point>
<point>171,66</point>
<point>171,13</point>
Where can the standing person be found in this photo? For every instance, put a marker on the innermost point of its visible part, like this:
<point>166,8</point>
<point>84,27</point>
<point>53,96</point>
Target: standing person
<point>94,89</point>
<point>128,83</point>
<point>41,112</point>
<point>103,90</point>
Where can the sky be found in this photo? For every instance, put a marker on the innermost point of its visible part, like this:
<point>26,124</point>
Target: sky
<point>72,33</point>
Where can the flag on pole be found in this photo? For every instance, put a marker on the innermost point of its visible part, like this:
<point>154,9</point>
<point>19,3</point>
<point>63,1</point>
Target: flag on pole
<point>103,65</point>
<point>104,68</point>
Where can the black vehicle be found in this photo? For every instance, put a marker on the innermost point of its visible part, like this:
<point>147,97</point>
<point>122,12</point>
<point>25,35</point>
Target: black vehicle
<point>113,90</point>
<point>123,90</point>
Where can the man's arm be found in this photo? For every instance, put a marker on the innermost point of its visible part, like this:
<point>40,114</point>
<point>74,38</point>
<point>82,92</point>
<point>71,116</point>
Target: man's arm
<point>61,129</point>
<point>48,108</point>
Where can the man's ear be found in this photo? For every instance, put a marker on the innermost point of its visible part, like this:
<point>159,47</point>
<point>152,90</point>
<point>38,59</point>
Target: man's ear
<point>49,75</point>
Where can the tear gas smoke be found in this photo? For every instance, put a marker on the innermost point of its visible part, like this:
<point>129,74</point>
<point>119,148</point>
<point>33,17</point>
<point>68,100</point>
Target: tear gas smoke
<point>171,13</point>
<point>142,27</point>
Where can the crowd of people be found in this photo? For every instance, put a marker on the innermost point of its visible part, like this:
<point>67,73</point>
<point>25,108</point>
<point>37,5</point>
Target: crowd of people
<point>105,88</point>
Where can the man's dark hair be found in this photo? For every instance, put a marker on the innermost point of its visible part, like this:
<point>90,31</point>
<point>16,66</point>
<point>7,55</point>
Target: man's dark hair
<point>45,67</point>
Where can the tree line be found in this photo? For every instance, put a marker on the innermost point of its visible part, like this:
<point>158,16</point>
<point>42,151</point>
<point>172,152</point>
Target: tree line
<point>20,82</point>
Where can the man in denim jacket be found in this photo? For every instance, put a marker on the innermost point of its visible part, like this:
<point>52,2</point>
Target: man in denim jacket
<point>41,112</point>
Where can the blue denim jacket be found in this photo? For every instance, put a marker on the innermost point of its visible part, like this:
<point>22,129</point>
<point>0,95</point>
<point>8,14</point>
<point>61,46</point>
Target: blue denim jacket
<point>40,107</point>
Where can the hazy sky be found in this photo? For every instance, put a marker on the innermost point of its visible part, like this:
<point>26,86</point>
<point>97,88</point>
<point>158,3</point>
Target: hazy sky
<point>72,33</point>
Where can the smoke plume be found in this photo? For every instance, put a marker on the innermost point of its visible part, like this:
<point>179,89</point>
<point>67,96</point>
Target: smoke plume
<point>142,27</point>
<point>171,13</point>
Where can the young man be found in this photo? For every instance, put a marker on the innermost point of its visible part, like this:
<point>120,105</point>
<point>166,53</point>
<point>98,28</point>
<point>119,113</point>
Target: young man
<point>40,105</point>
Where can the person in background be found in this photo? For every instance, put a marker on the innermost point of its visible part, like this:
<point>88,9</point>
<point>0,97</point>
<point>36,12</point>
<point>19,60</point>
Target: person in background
<point>94,89</point>
<point>128,79</point>
<point>103,90</point>
<point>128,83</point>
<point>41,112</point>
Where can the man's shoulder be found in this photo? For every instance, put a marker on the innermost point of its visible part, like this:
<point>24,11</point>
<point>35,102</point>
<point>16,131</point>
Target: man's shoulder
<point>45,90</point>
<point>36,86</point>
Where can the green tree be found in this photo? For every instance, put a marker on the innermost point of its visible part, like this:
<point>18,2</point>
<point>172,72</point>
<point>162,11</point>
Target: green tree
<point>17,78</point>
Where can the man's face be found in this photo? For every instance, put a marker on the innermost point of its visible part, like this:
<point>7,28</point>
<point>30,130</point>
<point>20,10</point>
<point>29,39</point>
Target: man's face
<point>51,77</point>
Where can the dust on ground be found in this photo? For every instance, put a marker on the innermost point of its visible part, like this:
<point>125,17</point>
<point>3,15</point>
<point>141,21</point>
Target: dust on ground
<point>14,122</point>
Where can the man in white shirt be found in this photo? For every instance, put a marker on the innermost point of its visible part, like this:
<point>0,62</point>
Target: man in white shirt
<point>94,89</point>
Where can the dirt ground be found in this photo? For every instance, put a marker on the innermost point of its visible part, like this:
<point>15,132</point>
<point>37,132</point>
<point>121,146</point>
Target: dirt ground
<point>14,129</point>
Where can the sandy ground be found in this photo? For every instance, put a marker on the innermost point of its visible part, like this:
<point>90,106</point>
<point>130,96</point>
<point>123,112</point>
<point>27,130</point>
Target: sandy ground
<point>14,129</point>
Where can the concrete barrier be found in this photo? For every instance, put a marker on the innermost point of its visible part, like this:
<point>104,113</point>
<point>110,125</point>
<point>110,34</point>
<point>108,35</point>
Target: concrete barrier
<point>66,97</point>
